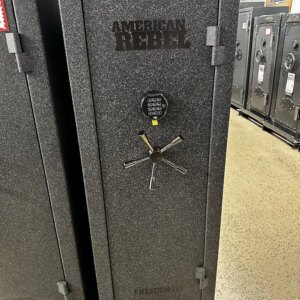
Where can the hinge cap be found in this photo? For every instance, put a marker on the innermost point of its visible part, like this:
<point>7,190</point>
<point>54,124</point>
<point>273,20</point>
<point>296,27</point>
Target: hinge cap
<point>213,36</point>
<point>63,288</point>
<point>14,46</point>
<point>201,275</point>
<point>213,39</point>
<point>218,56</point>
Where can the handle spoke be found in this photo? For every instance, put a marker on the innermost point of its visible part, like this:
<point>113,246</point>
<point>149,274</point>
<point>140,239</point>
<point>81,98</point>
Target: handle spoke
<point>152,179</point>
<point>175,142</point>
<point>133,163</point>
<point>178,168</point>
<point>145,139</point>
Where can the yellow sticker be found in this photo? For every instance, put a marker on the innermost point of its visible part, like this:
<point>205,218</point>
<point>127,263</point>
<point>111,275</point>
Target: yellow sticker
<point>155,122</point>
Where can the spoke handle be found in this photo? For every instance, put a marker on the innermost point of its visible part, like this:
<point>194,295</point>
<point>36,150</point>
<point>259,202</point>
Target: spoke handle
<point>178,168</point>
<point>132,163</point>
<point>145,139</point>
<point>152,179</point>
<point>174,143</point>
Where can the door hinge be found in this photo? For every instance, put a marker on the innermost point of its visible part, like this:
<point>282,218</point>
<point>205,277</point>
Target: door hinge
<point>248,25</point>
<point>14,46</point>
<point>241,95</point>
<point>63,289</point>
<point>296,116</point>
<point>266,99</point>
<point>213,40</point>
<point>201,275</point>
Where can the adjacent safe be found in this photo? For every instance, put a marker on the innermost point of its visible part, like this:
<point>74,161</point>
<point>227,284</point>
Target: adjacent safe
<point>285,114</point>
<point>264,53</point>
<point>151,85</point>
<point>243,56</point>
<point>38,252</point>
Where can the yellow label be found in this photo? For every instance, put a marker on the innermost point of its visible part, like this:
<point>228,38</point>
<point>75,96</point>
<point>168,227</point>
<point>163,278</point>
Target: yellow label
<point>155,122</point>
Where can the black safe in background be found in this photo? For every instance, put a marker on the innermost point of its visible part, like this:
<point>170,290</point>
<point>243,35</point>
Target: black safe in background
<point>266,36</point>
<point>286,97</point>
<point>146,74</point>
<point>41,194</point>
<point>243,51</point>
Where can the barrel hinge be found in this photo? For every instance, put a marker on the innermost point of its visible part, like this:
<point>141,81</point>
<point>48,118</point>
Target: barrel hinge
<point>63,289</point>
<point>201,275</point>
<point>14,46</point>
<point>213,38</point>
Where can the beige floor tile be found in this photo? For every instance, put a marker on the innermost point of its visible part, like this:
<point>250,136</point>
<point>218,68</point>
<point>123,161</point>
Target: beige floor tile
<point>260,234</point>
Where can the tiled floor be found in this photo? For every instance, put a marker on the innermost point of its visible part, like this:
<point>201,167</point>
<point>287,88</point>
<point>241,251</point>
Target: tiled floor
<point>260,235</point>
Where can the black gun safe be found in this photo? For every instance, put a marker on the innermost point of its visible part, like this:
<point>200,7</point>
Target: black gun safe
<point>38,253</point>
<point>286,100</point>
<point>262,72</point>
<point>243,51</point>
<point>151,85</point>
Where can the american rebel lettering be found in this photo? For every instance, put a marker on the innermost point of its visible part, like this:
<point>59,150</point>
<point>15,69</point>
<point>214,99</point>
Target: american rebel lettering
<point>150,35</point>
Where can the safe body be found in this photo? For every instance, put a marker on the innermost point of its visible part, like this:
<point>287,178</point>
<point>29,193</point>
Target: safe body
<point>152,244</point>
<point>264,54</point>
<point>243,57</point>
<point>37,237</point>
<point>285,113</point>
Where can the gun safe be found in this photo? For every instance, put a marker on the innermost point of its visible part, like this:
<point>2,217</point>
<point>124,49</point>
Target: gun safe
<point>285,114</point>
<point>243,51</point>
<point>264,53</point>
<point>38,253</point>
<point>151,85</point>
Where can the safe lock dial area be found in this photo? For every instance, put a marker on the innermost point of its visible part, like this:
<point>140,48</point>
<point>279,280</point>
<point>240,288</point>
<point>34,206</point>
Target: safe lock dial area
<point>154,106</point>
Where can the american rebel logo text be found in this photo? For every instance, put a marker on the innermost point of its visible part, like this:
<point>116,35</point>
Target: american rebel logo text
<point>150,34</point>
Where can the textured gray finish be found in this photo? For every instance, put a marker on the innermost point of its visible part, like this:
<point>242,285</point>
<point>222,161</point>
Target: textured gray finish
<point>29,254</point>
<point>86,127</point>
<point>218,141</point>
<point>37,239</point>
<point>156,239</point>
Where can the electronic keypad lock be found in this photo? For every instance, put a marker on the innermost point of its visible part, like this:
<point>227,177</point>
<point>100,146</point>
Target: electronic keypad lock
<point>154,106</point>
<point>156,155</point>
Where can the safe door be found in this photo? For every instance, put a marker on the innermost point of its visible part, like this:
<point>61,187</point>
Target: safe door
<point>288,94</point>
<point>32,264</point>
<point>240,75</point>
<point>150,108</point>
<point>265,39</point>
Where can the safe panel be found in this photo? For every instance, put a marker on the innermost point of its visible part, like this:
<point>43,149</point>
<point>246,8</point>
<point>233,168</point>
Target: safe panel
<point>241,59</point>
<point>29,254</point>
<point>145,91</point>
<point>265,41</point>
<point>287,101</point>
<point>38,247</point>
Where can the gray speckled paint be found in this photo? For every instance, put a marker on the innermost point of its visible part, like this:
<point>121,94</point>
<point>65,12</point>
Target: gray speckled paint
<point>37,240</point>
<point>154,239</point>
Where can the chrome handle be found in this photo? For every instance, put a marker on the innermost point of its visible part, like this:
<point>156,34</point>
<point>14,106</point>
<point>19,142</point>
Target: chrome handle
<point>156,155</point>
<point>178,168</point>
<point>175,142</point>
<point>145,139</point>
<point>132,163</point>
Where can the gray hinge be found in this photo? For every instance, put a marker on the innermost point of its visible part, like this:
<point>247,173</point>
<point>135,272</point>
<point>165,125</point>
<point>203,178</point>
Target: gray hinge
<point>63,289</point>
<point>14,46</point>
<point>213,40</point>
<point>201,275</point>
<point>248,25</point>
